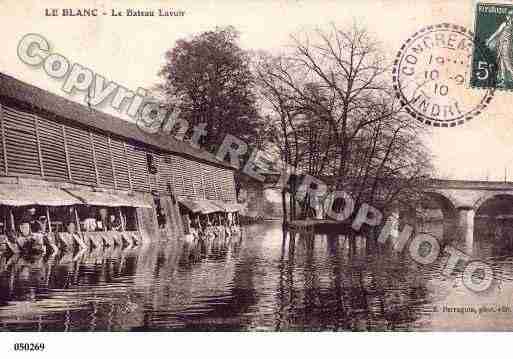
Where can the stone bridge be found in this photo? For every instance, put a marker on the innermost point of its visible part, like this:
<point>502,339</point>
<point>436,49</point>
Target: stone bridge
<point>465,198</point>
<point>456,197</point>
<point>468,195</point>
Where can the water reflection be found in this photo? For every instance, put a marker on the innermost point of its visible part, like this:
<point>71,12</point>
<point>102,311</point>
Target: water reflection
<point>262,280</point>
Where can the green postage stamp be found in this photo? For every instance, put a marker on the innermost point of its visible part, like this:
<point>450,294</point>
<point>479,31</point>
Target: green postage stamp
<point>492,60</point>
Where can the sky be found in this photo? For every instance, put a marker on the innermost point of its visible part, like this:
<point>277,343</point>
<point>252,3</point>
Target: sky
<point>130,51</point>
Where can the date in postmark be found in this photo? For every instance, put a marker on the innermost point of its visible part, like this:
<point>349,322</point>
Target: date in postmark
<point>493,65</point>
<point>430,76</point>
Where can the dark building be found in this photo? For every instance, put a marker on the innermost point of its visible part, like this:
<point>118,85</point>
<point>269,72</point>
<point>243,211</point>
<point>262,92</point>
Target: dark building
<point>51,148</point>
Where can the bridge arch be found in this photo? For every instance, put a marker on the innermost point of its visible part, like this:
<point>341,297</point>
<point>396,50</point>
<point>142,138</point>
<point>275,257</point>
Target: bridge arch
<point>489,196</point>
<point>447,203</point>
<point>448,207</point>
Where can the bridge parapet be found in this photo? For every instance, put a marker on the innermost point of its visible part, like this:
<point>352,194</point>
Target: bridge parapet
<point>460,193</point>
<point>272,178</point>
<point>463,184</point>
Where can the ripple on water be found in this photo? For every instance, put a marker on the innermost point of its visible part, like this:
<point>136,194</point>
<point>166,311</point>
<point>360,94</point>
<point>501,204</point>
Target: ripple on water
<point>259,282</point>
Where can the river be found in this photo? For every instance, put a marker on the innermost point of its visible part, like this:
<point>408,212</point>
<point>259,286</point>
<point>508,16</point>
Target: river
<point>261,281</point>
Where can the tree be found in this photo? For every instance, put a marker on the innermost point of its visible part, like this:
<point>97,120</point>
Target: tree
<point>336,118</point>
<point>208,79</point>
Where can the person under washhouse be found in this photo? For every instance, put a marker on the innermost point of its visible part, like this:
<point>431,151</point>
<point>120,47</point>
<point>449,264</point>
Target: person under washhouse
<point>218,225</point>
<point>226,224</point>
<point>12,242</point>
<point>65,240</point>
<point>96,226</point>
<point>114,225</point>
<point>71,237</point>
<point>193,225</point>
<point>233,226</point>
<point>209,232</point>
<point>39,232</point>
<point>90,227</point>
<point>161,218</point>
<point>128,239</point>
<point>199,225</point>
<point>42,226</point>
<point>90,221</point>
<point>30,239</point>
<point>102,225</point>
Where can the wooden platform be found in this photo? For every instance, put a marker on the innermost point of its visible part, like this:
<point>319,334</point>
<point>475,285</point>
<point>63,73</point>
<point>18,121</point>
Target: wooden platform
<point>317,226</point>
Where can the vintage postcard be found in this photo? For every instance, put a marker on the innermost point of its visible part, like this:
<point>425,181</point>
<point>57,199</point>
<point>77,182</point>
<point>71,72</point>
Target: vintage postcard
<point>255,166</point>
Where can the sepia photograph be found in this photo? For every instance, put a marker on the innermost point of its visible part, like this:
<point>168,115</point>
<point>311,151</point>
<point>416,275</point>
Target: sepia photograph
<point>255,166</point>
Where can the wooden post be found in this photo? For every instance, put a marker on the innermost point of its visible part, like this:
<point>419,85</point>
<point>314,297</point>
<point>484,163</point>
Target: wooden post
<point>292,206</point>
<point>93,151</point>
<point>38,141</point>
<point>113,167</point>
<point>4,148</point>
<point>68,165</point>
<point>11,215</point>
<point>48,219</point>
<point>104,225</point>
<point>137,222</point>
<point>198,222</point>
<point>187,224</point>
<point>77,220</point>
<point>125,152</point>
<point>121,219</point>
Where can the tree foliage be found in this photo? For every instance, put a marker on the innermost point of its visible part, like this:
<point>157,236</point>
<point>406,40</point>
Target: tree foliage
<point>208,79</point>
<point>333,115</point>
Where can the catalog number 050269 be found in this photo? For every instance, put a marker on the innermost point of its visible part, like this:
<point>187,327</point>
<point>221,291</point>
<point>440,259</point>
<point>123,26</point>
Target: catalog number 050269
<point>29,347</point>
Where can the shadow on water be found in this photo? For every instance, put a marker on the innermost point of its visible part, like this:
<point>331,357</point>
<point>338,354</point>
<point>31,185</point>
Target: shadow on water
<point>263,280</point>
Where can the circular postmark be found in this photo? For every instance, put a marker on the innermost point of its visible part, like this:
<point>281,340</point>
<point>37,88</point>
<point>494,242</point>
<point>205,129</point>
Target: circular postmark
<point>430,76</point>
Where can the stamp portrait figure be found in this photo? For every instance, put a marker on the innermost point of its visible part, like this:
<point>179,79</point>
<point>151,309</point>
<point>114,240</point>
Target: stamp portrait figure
<point>500,43</point>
